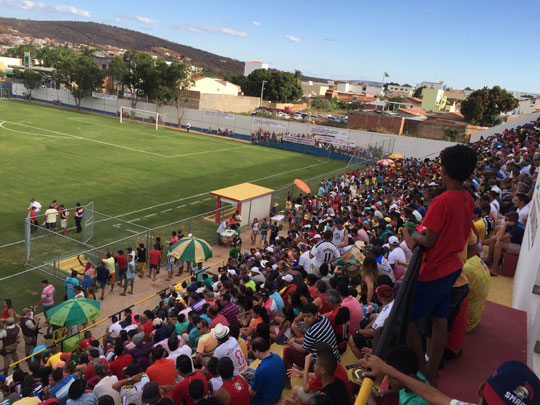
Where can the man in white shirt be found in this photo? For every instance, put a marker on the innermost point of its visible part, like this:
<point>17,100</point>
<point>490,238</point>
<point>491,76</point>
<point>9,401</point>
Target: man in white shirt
<point>105,385</point>
<point>323,252</point>
<point>34,203</point>
<point>229,347</point>
<point>131,388</point>
<point>523,207</point>
<point>397,255</point>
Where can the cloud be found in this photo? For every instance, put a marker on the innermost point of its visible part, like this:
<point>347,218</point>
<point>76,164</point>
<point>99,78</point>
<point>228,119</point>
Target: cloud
<point>135,18</point>
<point>256,23</point>
<point>48,8</point>
<point>329,39</point>
<point>292,38</point>
<point>197,28</point>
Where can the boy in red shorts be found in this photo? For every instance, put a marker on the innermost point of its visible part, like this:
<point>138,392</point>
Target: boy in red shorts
<point>446,228</point>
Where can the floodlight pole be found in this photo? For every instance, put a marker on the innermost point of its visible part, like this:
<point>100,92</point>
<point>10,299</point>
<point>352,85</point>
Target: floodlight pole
<point>262,91</point>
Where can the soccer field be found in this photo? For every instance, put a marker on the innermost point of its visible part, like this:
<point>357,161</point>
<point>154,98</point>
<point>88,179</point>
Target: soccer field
<point>130,170</point>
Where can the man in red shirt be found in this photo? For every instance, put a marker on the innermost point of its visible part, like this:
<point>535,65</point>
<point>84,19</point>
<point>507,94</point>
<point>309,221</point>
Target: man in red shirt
<point>122,262</point>
<point>33,220</point>
<point>445,232</point>
<point>162,371</point>
<point>154,256</point>
<point>121,361</point>
<point>185,369</point>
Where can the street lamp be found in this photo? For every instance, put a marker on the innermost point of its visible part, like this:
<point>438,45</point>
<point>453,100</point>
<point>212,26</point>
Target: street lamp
<point>262,91</point>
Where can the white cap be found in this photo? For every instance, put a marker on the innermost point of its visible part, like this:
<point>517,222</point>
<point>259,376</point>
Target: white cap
<point>255,270</point>
<point>393,240</point>
<point>288,277</point>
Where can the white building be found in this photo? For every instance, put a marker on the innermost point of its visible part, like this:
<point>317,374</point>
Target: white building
<point>432,85</point>
<point>407,90</point>
<point>314,89</point>
<point>211,85</point>
<point>526,106</point>
<point>251,66</point>
<point>359,87</point>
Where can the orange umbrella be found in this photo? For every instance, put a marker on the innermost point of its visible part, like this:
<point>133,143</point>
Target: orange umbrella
<point>302,186</point>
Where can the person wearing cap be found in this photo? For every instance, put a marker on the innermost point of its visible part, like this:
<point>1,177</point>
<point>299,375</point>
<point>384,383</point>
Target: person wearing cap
<point>512,383</point>
<point>151,395</point>
<point>10,338</point>
<point>362,337</point>
<point>396,258</point>
<point>141,350</point>
<point>29,329</point>
<point>289,287</point>
<point>257,276</point>
<point>228,346</point>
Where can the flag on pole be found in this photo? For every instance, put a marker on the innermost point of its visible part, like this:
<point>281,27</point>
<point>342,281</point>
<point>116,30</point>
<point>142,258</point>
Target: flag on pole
<point>386,74</point>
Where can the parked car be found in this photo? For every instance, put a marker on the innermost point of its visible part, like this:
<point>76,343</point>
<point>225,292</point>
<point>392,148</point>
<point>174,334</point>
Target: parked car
<point>298,116</point>
<point>286,116</point>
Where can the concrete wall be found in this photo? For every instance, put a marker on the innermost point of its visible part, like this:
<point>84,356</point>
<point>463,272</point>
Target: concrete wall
<point>242,125</point>
<point>221,102</point>
<point>500,128</point>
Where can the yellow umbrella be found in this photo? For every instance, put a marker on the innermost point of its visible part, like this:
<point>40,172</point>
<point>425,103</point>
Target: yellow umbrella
<point>396,156</point>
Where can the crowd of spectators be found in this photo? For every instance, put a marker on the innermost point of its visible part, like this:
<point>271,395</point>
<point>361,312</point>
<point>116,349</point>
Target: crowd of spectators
<point>322,284</point>
<point>348,149</point>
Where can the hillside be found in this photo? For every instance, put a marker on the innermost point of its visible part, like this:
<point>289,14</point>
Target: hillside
<point>91,33</point>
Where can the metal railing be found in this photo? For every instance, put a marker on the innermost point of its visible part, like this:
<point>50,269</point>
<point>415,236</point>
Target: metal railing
<point>117,314</point>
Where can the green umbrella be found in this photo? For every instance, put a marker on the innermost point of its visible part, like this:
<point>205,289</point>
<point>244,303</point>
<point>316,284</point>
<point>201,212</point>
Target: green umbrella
<point>191,249</point>
<point>75,311</point>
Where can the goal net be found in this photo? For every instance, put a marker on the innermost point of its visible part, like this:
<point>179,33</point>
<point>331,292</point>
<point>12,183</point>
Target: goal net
<point>144,116</point>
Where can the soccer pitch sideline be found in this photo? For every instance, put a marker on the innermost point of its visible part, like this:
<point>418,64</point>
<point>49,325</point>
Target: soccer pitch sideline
<point>130,170</point>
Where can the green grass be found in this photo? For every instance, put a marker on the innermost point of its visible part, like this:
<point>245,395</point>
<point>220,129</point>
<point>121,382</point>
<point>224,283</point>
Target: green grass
<point>50,153</point>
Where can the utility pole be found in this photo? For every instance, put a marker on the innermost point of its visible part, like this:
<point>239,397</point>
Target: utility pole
<point>262,91</point>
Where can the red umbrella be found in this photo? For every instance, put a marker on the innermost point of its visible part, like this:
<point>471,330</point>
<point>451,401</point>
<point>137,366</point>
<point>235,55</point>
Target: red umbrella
<point>386,162</point>
<point>302,186</point>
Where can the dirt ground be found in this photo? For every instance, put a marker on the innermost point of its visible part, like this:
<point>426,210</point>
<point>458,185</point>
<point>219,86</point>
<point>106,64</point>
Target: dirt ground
<point>143,288</point>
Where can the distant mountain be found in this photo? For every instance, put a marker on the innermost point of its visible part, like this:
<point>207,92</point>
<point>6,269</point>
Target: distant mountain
<point>96,34</point>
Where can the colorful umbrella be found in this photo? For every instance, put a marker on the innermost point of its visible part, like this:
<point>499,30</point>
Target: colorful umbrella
<point>75,311</point>
<point>396,156</point>
<point>302,186</point>
<point>386,162</point>
<point>191,249</point>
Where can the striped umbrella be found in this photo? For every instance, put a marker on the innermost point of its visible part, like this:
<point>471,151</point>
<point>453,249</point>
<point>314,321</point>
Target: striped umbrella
<point>75,311</point>
<point>191,249</point>
<point>386,162</point>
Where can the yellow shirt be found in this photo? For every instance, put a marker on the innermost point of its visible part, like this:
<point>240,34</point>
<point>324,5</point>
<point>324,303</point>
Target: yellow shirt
<point>28,401</point>
<point>243,346</point>
<point>207,343</point>
<point>53,360</point>
<point>480,228</point>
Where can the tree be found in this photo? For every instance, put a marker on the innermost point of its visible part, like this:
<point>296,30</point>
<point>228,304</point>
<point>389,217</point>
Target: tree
<point>18,51</point>
<point>141,78</point>
<point>79,74</point>
<point>281,87</point>
<point>116,72</point>
<point>484,107</point>
<point>31,79</point>
<point>178,81</point>
<point>418,92</point>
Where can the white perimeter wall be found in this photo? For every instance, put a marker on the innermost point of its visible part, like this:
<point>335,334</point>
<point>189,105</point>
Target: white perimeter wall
<point>500,128</point>
<point>242,124</point>
<point>527,275</point>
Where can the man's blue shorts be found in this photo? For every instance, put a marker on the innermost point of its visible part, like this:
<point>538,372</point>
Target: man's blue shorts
<point>432,298</point>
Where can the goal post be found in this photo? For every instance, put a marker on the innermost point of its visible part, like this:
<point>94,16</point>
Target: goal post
<point>134,114</point>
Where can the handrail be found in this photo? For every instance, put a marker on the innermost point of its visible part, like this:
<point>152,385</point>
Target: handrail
<point>402,306</point>
<point>222,262</point>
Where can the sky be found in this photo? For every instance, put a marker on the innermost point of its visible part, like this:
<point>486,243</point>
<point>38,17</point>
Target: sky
<point>472,43</point>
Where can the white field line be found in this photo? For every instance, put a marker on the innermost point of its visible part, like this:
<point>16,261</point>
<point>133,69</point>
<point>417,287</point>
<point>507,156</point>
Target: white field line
<point>183,199</point>
<point>167,210</point>
<point>67,136</point>
<point>150,215</point>
<point>131,230</point>
<point>190,135</point>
